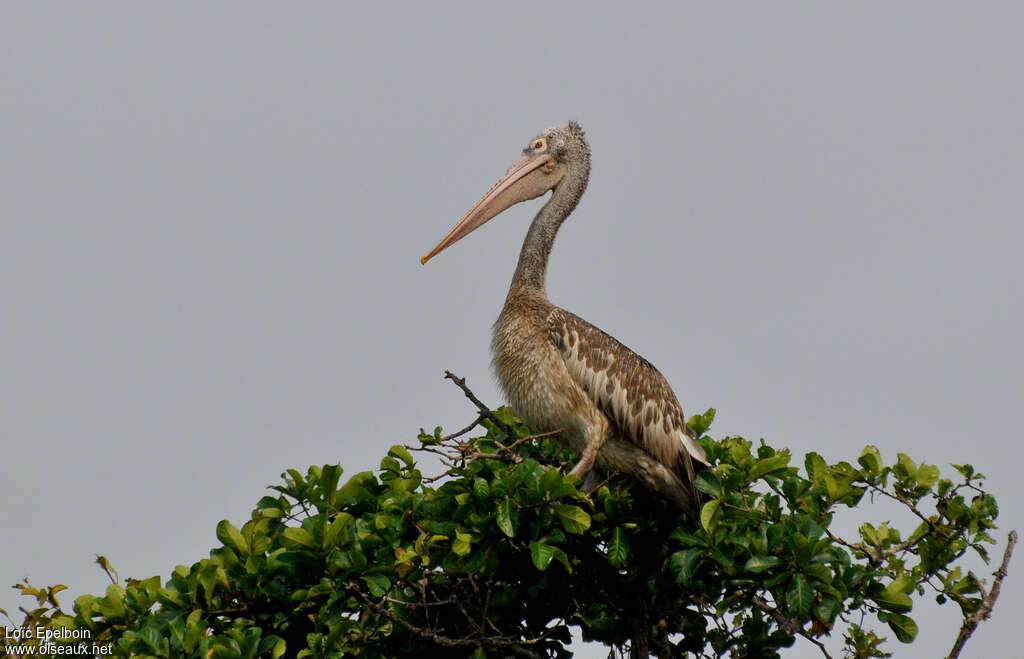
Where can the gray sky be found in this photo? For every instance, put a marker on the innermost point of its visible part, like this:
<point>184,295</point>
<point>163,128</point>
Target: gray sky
<point>211,219</point>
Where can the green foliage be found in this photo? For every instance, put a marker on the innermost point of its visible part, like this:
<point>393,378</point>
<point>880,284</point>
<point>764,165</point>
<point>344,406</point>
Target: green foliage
<point>501,554</point>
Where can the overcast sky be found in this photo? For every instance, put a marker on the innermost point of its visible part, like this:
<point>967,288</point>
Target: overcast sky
<point>211,217</point>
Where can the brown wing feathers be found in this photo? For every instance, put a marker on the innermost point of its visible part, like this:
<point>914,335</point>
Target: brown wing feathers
<point>628,389</point>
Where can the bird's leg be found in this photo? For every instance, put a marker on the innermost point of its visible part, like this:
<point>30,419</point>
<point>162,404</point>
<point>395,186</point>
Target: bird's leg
<point>586,462</point>
<point>596,435</point>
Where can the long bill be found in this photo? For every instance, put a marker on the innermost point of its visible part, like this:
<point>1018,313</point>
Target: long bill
<point>527,178</point>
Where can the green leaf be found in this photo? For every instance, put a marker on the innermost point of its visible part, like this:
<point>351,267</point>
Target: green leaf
<point>827,609</point>
<point>506,517</point>
<point>902,584</point>
<point>275,644</point>
<point>150,637</point>
<point>377,583</point>
<point>819,571</point>
<point>562,558</point>
<point>701,422</point>
<point>707,514</point>
<point>295,478</point>
<point>927,475</point>
<point>329,476</point>
<point>767,465</point>
<point>480,488</point>
<point>428,439</point>
<point>811,529</point>
<point>903,626</point>
<point>709,483</point>
<point>906,465</point>
<point>837,489</point>
<point>817,468</point>
<point>618,547</point>
<point>402,453</point>
<point>231,536</point>
<point>573,518</point>
<point>541,554</point>
<point>683,564</point>
<point>334,529</point>
<point>296,535</point>
<point>800,595</point>
<point>686,538</point>
<point>462,544</point>
<point>550,480</point>
<point>195,627</point>
<point>871,460</point>
<point>891,599</point>
<point>761,563</point>
<point>965,470</point>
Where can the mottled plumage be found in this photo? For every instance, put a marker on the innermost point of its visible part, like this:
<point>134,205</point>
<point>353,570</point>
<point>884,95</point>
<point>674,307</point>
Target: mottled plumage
<point>628,390</point>
<point>558,371</point>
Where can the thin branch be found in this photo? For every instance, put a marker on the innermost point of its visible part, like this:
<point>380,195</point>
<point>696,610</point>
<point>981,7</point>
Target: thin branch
<point>419,631</point>
<point>514,645</point>
<point>227,611</point>
<point>988,600</point>
<point>529,438</point>
<point>906,502</point>
<point>484,410</point>
<point>876,556</point>
<point>460,433</point>
<point>401,602</point>
<point>790,625</point>
<point>455,456</point>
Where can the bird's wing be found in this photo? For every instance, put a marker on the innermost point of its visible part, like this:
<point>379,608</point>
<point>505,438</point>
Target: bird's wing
<point>628,389</point>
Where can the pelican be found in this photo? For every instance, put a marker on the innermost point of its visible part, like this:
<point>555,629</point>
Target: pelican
<point>559,372</point>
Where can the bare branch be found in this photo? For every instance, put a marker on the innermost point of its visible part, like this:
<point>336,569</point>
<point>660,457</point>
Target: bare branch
<point>485,411</point>
<point>988,600</point>
<point>460,433</point>
<point>514,645</point>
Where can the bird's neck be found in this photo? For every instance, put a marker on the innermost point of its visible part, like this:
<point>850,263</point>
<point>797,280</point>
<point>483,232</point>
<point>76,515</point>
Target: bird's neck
<point>533,258</point>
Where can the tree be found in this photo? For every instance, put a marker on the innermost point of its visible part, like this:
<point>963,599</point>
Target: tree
<point>499,554</point>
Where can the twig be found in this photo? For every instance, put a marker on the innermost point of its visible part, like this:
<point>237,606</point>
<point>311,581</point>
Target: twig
<point>906,502</point>
<point>875,557</point>
<point>104,563</point>
<point>401,602</point>
<point>419,631</point>
<point>512,644</point>
<point>506,451</point>
<point>988,600</point>
<point>790,625</point>
<point>460,433</point>
<point>484,410</point>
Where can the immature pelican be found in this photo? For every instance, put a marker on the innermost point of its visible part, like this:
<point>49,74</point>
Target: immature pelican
<point>558,371</point>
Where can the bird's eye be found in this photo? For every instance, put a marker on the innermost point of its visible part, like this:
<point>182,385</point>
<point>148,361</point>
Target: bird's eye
<point>538,144</point>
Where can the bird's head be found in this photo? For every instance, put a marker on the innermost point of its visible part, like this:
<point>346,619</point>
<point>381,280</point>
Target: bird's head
<point>548,157</point>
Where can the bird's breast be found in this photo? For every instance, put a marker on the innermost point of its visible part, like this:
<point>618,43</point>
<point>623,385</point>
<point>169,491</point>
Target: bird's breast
<point>535,379</point>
